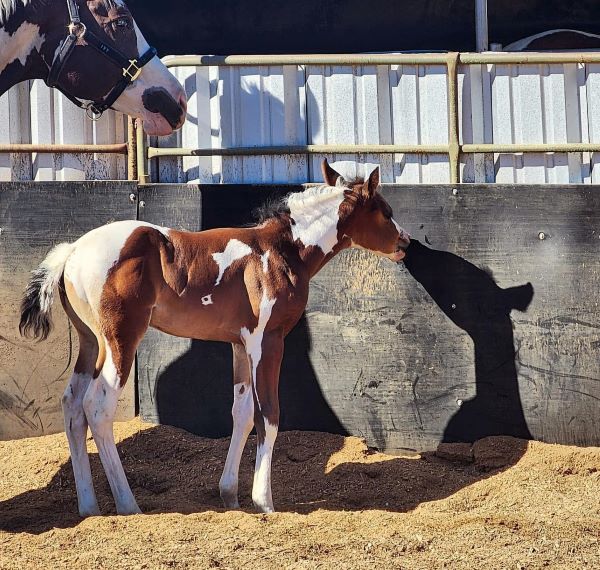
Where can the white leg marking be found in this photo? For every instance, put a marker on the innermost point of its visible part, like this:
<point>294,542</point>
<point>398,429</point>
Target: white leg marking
<point>76,429</point>
<point>243,420</point>
<point>316,214</point>
<point>100,403</point>
<point>20,44</point>
<point>265,261</point>
<point>261,489</point>
<point>234,250</point>
<point>253,340</point>
<point>207,300</point>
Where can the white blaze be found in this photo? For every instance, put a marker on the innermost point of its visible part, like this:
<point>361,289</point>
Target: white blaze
<point>234,250</point>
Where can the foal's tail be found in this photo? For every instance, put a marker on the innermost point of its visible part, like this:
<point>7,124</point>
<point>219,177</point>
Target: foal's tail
<point>36,306</point>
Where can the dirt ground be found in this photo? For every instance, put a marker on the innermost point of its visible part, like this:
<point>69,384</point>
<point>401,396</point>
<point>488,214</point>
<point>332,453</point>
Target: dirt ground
<point>502,503</point>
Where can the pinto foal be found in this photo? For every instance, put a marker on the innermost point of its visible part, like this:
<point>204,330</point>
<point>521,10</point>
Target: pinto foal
<point>246,286</point>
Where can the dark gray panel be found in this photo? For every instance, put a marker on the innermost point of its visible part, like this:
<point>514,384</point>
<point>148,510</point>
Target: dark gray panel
<point>410,355</point>
<point>33,218</point>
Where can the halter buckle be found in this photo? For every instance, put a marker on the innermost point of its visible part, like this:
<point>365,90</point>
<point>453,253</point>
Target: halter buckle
<point>92,113</point>
<point>133,71</point>
<point>77,29</point>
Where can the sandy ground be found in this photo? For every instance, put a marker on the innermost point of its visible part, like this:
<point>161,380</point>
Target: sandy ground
<point>503,503</point>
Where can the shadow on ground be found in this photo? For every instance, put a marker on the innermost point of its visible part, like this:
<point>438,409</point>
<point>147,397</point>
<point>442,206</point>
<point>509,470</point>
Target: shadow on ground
<point>172,471</point>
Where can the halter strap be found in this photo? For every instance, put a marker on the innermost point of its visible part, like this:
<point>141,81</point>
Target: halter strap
<point>131,68</point>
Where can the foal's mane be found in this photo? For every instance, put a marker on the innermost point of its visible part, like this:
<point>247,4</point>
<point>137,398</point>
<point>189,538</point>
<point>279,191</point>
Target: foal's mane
<point>276,208</point>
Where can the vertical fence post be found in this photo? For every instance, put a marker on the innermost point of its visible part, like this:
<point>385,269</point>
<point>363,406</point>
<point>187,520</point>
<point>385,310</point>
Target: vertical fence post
<point>481,25</point>
<point>453,137</point>
<point>142,176</point>
<point>131,150</point>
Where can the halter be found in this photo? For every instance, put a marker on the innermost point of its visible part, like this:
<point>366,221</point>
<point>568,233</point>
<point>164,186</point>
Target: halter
<point>132,68</point>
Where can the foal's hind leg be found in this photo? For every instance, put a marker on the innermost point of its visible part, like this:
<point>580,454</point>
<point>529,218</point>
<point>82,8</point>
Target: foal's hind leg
<point>242,412</point>
<point>100,404</point>
<point>76,424</point>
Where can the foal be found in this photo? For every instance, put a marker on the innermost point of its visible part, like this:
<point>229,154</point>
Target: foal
<point>246,286</point>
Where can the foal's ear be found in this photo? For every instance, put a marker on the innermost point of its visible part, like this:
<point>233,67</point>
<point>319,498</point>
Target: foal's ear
<point>330,176</point>
<point>371,185</point>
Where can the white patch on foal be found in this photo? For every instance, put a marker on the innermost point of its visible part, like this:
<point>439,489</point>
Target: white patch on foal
<point>207,300</point>
<point>234,250</point>
<point>316,214</point>
<point>253,340</point>
<point>93,256</point>
<point>265,261</point>
<point>261,488</point>
<point>18,46</point>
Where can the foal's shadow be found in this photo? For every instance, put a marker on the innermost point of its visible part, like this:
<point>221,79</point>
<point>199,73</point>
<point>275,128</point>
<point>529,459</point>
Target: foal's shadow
<point>172,471</point>
<point>470,297</point>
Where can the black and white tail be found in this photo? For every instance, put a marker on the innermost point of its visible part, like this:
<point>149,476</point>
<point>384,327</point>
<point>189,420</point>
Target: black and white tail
<point>36,306</point>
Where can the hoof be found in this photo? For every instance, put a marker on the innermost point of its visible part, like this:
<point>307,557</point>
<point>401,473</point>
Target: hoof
<point>230,500</point>
<point>132,510</point>
<point>93,511</point>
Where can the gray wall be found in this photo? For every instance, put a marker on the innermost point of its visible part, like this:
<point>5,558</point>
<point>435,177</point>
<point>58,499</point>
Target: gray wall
<point>407,356</point>
<point>33,218</point>
<point>433,350</point>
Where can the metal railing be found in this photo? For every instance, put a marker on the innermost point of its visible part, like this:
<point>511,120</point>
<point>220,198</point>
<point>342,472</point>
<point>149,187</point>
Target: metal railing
<point>128,149</point>
<point>454,149</point>
<point>138,153</point>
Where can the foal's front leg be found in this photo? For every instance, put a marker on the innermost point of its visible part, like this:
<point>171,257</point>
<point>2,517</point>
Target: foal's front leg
<point>242,412</point>
<point>266,416</point>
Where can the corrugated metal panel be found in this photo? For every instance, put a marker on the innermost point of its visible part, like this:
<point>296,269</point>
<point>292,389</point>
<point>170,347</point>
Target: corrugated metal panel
<point>298,105</point>
<point>260,106</point>
<point>36,114</point>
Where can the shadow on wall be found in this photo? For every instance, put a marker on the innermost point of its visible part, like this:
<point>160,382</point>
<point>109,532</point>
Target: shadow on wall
<point>470,297</point>
<point>195,391</point>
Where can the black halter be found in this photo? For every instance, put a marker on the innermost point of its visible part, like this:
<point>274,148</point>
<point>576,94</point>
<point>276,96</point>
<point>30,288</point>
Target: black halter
<point>131,67</point>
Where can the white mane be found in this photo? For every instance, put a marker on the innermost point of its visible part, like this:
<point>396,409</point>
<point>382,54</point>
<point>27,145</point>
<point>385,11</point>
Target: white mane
<point>313,196</point>
<point>9,7</point>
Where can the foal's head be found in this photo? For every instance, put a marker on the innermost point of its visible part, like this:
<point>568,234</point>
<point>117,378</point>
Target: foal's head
<point>366,218</point>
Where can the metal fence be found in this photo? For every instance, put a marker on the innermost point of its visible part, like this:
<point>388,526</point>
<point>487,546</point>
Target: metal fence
<point>471,117</point>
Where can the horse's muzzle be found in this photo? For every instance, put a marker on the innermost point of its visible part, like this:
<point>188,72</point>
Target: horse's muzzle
<point>159,100</point>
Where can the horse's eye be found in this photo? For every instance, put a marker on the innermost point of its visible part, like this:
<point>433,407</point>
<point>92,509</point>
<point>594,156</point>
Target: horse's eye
<point>123,23</point>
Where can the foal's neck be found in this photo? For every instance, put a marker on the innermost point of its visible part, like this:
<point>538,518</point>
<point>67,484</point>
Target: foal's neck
<point>315,215</point>
<point>25,48</point>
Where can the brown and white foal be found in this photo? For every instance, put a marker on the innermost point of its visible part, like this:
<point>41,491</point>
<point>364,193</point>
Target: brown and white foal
<point>246,286</point>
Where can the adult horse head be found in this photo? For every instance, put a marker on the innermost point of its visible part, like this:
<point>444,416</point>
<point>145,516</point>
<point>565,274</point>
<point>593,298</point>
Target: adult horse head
<point>95,54</point>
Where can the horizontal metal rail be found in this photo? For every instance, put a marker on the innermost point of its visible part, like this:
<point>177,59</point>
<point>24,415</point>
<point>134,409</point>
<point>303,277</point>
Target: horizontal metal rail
<point>117,148</point>
<point>382,59</point>
<point>155,152</point>
<point>499,148</point>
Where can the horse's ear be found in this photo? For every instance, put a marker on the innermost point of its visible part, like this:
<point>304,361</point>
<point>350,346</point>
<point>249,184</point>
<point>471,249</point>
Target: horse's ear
<point>330,176</point>
<point>371,185</point>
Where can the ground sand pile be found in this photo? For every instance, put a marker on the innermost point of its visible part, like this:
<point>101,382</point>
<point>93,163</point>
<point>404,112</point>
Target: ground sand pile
<point>504,503</point>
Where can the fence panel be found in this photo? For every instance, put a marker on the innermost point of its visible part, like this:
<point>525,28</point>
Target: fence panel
<point>34,113</point>
<point>432,350</point>
<point>33,218</point>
